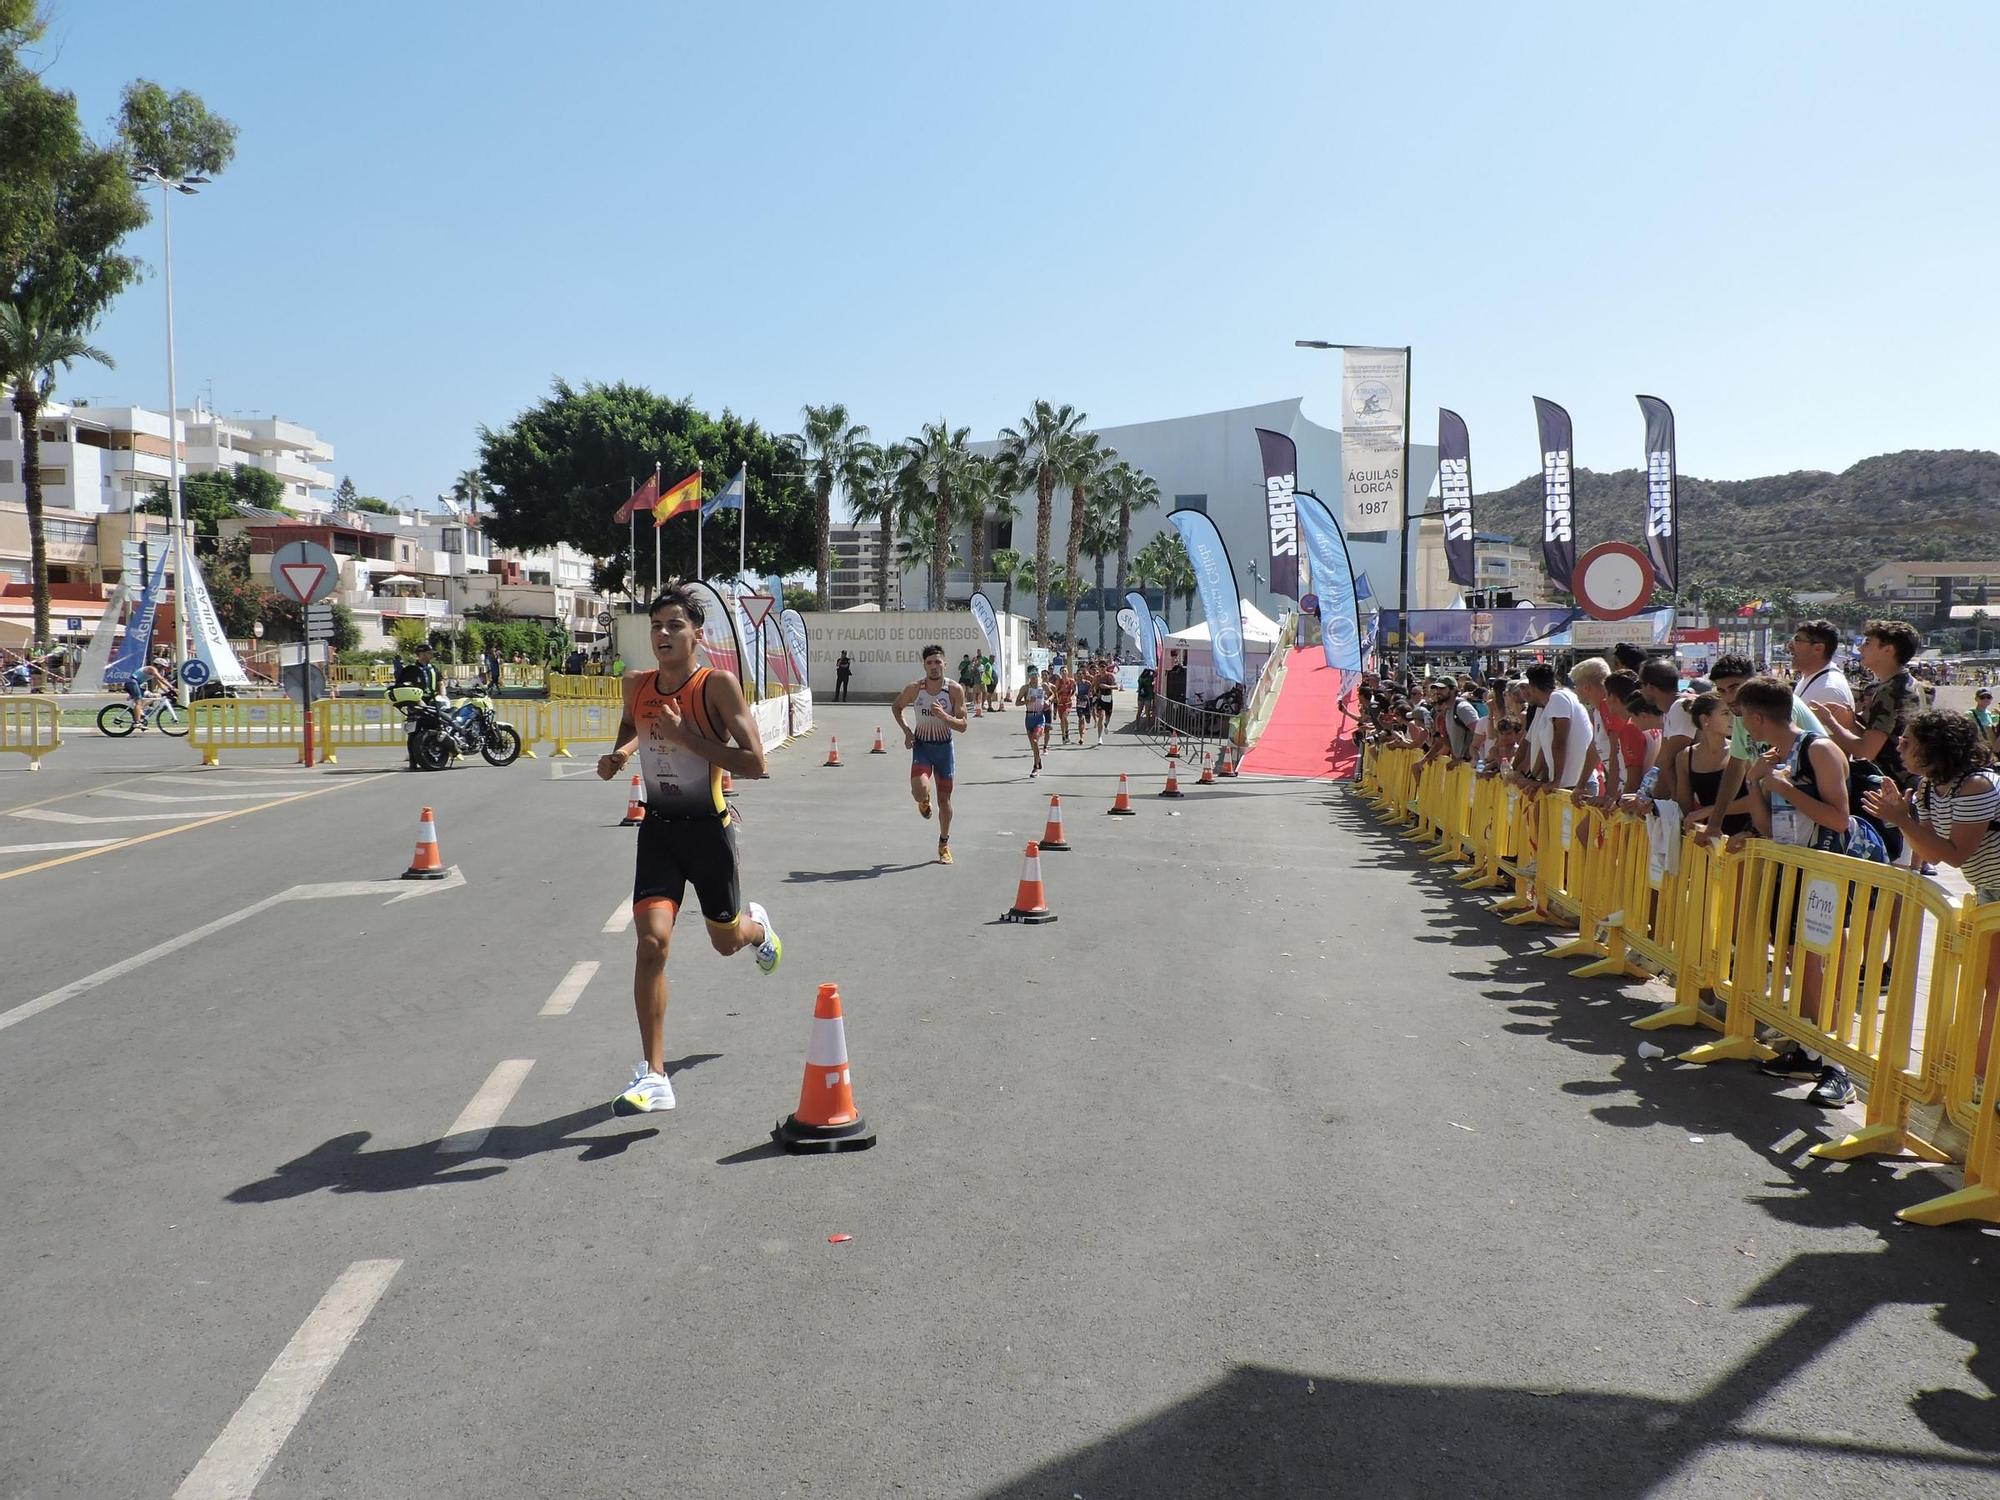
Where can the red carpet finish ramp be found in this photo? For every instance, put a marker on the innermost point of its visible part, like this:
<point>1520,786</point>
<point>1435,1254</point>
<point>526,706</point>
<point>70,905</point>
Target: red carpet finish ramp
<point>1311,732</point>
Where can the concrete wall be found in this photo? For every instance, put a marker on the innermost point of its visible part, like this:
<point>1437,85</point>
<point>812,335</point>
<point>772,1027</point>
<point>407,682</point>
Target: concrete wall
<point>887,649</point>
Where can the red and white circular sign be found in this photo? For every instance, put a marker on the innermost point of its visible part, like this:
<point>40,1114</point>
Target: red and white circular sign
<point>1612,581</point>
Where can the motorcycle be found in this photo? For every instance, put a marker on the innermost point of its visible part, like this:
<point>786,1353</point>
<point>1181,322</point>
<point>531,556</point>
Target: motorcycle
<point>467,726</point>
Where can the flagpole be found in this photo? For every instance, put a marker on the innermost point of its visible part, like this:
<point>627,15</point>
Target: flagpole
<point>743,525</point>
<point>631,544</point>
<point>656,531</point>
<point>697,536</point>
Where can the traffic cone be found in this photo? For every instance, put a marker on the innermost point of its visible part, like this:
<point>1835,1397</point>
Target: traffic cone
<point>1174,747</point>
<point>1122,807</point>
<point>832,751</point>
<point>1030,904</point>
<point>1052,835</point>
<point>1225,763</point>
<point>1173,786</point>
<point>826,1119</point>
<point>878,750</point>
<point>425,863</point>
<point>979,710</point>
<point>635,806</point>
<point>728,783</point>
<point>1207,777</point>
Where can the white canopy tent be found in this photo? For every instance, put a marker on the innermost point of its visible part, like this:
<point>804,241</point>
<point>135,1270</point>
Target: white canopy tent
<point>1259,629</point>
<point>1260,638</point>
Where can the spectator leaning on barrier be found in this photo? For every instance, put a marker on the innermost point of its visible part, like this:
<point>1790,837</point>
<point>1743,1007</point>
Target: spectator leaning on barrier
<point>1703,765</point>
<point>1586,681</point>
<point>1461,719</point>
<point>1984,719</point>
<point>1952,818</point>
<point>1660,681</point>
<point>1630,748</point>
<point>1729,674</point>
<point>1562,737</point>
<point>1798,797</point>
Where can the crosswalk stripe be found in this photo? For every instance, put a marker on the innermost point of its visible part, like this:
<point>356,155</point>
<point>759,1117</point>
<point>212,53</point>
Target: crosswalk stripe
<point>621,918</point>
<point>468,1132</point>
<point>57,815</point>
<point>50,848</point>
<point>161,797</point>
<point>566,994</point>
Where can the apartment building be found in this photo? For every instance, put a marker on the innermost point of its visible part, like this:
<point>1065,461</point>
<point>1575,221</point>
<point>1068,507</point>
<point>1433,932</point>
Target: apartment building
<point>99,460</point>
<point>857,552</point>
<point>1926,593</point>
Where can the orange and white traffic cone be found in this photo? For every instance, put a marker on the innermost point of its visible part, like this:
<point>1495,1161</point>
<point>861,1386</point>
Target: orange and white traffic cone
<point>1122,807</point>
<point>1174,747</point>
<point>728,783</point>
<point>1173,786</point>
<point>1225,763</point>
<point>426,864</point>
<point>1052,835</point>
<point>1031,903</point>
<point>832,751</point>
<point>1207,777</point>
<point>635,806</point>
<point>826,1119</point>
<point>878,750</point>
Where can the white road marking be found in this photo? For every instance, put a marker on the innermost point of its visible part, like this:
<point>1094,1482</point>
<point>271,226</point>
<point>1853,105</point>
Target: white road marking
<point>50,848</point>
<point>397,890</point>
<point>56,815</point>
<point>160,797</point>
<point>620,919</point>
<point>237,1459</point>
<point>563,1001</point>
<point>468,1132</point>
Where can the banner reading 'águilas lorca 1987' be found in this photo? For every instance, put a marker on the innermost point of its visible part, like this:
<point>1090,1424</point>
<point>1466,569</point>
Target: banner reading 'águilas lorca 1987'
<point>1281,481</point>
<point>1558,505</point>
<point>1663,511</point>
<point>1374,390</point>
<point>1455,496</point>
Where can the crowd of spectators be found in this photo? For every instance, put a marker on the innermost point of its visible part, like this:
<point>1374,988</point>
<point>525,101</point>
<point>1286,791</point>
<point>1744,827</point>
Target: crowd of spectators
<point>1858,766</point>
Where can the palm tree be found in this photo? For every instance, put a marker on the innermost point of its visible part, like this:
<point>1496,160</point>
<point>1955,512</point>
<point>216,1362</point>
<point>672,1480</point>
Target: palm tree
<point>981,497</point>
<point>916,535</point>
<point>469,489</point>
<point>824,441</point>
<point>870,482</point>
<point>1082,463</point>
<point>1013,568</point>
<point>1100,535</point>
<point>1031,451</point>
<point>34,344</point>
<point>941,459</point>
<point>1139,492</point>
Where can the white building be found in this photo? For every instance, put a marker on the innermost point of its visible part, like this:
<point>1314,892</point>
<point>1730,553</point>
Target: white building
<point>1211,463</point>
<point>856,552</point>
<point>97,460</point>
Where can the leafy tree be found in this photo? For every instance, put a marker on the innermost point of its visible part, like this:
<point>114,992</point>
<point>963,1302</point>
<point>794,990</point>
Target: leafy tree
<point>800,598</point>
<point>409,635</point>
<point>372,504</point>
<point>34,344</point>
<point>825,440</point>
<point>1136,491</point>
<point>560,471</point>
<point>211,498</point>
<point>173,134</point>
<point>1030,452</point>
<point>347,497</point>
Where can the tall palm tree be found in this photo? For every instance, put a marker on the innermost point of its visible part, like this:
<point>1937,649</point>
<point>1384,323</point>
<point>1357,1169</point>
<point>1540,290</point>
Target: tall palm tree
<point>1139,491</point>
<point>34,344</point>
<point>824,439</point>
<point>980,498</point>
<point>870,482</point>
<point>1013,567</point>
<point>1031,451</point>
<point>469,489</point>
<point>1082,462</point>
<point>916,536</point>
<point>942,460</point>
<point>1100,536</point>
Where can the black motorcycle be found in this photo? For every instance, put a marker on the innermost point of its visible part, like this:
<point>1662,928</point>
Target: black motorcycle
<point>468,726</point>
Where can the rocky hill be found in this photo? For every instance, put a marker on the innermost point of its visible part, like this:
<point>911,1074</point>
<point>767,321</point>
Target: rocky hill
<point>1804,530</point>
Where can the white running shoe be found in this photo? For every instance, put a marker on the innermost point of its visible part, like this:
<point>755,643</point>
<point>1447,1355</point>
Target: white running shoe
<point>770,952</point>
<point>648,1091</point>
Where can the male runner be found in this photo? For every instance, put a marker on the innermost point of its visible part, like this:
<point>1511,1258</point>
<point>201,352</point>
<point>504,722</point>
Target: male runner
<point>940,709</point>
<point>1035,699</point>
<point>1107,686</point>
<point>1065,694</point>
<point>680,720</point>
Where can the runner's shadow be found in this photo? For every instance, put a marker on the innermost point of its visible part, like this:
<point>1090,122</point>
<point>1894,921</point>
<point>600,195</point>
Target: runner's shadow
<point>342,1165</point>
<point>871,872</point>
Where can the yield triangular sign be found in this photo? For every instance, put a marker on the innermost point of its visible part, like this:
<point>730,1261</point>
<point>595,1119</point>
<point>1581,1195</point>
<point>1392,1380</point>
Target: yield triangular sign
<point>303,578</point>
<point>757,607</point>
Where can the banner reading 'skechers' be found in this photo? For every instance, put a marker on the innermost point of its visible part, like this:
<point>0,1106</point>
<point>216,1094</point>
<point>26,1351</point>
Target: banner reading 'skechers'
<point>1558,505</point>
<point>1455,494</point>
<point>1281,482</point>
<point>1663,510</point>
<point>1374,391</point>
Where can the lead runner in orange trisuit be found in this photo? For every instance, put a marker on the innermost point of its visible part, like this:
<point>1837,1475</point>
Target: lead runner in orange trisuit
<point>688,724</point>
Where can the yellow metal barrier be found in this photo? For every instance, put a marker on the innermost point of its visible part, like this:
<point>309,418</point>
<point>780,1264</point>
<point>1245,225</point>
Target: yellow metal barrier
<point>30,727</point>
<point>218,724</point>
<point>597,689</point>
<point>567,722</point>
<point>521,674</point>
<point>373,674</point>
<point>1965,1064</point>
<point>373,723</point>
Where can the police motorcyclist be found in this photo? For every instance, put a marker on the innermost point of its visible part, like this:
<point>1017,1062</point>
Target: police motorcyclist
<point>424,675</point>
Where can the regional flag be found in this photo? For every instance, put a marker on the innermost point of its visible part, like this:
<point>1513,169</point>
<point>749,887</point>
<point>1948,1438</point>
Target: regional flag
<point>730,496</point>
<point>643,498</point>
<point>682,499</point>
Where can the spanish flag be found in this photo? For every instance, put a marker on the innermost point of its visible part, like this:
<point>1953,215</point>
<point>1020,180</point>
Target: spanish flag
<point>683,499</point>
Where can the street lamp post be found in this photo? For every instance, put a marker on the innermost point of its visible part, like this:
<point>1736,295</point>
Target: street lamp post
<point>175,522</point>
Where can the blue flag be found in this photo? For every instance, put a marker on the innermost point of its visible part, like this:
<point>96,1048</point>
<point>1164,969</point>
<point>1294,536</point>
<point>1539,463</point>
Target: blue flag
<point>131,655</point>
<point>729,497</point>
<point>1215,581</point>
<point>1333,582</point>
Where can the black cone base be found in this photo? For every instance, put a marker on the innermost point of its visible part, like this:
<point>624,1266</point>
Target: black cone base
<point>1116,812</point>
<point>1031,918</point>
<point>1045,846</point>
<point>1176,792</point>
<point>807,1140</point>
<point>425,874</point>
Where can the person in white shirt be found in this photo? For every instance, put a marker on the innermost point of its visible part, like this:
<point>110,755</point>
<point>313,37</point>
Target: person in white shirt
<point>1564,729</point>
<point>1815,678</point>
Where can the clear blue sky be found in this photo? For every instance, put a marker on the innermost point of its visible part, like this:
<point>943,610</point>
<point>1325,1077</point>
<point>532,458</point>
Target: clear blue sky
<point>1778,216</point>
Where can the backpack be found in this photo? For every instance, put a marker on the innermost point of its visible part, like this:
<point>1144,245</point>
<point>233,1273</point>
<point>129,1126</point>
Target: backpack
<point>1864,837</point>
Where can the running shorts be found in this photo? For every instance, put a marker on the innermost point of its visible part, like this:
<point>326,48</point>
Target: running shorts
<point>1037,721</point>
<point>675,853</point>
<point>934,756</point>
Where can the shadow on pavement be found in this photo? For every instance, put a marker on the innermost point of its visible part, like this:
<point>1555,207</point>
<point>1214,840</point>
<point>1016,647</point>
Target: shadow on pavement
<point>871,872</point>
<point>1732,1100</point>
<point>343,1165</point>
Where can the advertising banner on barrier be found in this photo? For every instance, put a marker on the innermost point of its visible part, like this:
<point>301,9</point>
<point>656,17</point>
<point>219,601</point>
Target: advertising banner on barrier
<point>721,646</point>
<point>1215,581</point>
<point>1281,482</point>
<point>1482,629</point>
<point>1455,495</point>
<point>1558,504</point>
<point>139,634</point>
<point>1333,583</point>
<point>1663,509</point>
<point>1374,438</point>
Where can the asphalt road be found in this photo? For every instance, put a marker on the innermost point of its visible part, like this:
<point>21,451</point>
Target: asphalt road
<point>1271,1168</point>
